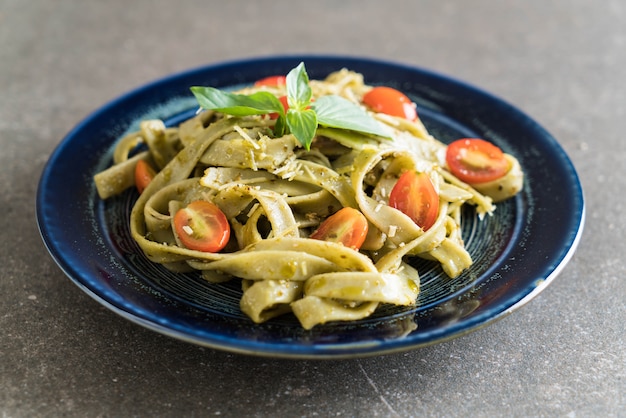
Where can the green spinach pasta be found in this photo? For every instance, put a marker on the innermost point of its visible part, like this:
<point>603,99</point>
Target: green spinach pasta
<point>321,227</point>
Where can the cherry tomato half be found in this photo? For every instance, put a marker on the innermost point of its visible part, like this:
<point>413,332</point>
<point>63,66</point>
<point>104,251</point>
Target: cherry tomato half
<point>347,226</point>
<point>391,102</point>
<point>202,226</point>
<point>143,175</point>
<point>415,196</point>
<point>272,81</point>
<point>475,160</point>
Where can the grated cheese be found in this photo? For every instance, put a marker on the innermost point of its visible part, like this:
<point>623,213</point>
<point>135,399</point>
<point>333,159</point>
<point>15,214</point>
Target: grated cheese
<point>245,136</point>
<point>253,163</point>
<point>253,209</point>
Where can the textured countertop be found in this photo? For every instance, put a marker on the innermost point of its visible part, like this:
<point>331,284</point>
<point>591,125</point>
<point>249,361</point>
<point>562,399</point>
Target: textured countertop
<point>562,62</point>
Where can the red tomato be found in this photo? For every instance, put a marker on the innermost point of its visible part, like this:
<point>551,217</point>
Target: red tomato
<point>272,81</point>
<point>202,226</point>
<point>143,175</point>
<point>475,160</point>
<point>415,196</point>
<point>347,226</point>
<point>391,102</point>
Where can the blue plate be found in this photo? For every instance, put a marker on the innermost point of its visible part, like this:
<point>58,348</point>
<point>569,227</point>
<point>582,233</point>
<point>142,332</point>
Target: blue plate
<point>517,252</point>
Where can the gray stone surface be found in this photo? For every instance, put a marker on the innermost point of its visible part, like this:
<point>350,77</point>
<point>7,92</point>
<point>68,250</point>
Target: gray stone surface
<point>563,62</point>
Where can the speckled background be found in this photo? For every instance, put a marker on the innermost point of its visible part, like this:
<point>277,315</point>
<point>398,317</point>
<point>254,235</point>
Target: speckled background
<point>562,62</point>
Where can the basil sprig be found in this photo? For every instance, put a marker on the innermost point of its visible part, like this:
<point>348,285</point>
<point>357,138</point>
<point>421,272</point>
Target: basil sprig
<point>303,116</point>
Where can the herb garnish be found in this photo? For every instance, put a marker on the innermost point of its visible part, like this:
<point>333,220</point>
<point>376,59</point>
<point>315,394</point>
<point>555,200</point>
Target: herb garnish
<point>303,115</point>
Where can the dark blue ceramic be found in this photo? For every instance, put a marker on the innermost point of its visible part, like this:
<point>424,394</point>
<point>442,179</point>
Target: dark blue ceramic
<point>518,251</point>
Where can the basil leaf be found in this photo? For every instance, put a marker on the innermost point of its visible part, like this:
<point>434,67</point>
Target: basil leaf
<point>280,127</point>
<point>302,125</point>
<point>303,116</point>
<point>298,89</point>
<point>337,112</point>
<point>258,103</point>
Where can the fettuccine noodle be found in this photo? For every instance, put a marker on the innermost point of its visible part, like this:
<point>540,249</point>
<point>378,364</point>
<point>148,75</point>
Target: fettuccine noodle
<point>274,194</point>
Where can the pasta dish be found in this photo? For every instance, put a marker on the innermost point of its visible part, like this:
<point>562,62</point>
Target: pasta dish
<point>315,194</point>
